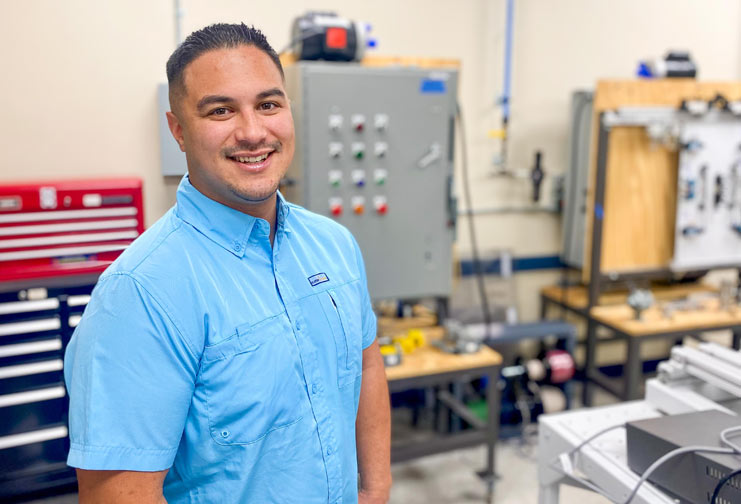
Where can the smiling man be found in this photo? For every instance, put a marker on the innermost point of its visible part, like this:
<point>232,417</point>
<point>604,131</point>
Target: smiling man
<point>229,354</point>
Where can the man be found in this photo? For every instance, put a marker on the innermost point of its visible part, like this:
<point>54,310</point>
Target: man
<point>220,357</point>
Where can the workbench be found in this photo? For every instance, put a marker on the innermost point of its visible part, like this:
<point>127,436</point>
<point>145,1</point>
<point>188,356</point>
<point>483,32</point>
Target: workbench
<point>430,367</point>
<point>613,314</point>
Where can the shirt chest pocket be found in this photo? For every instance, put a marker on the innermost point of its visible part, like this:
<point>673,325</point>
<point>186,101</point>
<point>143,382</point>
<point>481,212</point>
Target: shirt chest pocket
<point>252,383</point>
<point>341,306</point>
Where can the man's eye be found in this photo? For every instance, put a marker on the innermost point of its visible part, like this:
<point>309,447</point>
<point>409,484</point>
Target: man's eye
<point>268,106</point>
<point>220,111</point>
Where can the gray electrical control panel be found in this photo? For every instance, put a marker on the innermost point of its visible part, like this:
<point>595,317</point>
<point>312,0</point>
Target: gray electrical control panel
<point>374,151</point>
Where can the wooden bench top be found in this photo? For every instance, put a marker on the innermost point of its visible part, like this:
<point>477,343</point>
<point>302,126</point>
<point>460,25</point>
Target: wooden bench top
<point>429,360</point>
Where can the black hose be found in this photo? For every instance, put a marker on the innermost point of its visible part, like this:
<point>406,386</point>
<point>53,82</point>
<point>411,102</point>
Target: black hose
<point>472,231</point>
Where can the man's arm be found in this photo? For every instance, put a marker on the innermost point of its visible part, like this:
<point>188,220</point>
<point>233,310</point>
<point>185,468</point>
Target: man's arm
<point>121,487</point>
<point>373,430</point>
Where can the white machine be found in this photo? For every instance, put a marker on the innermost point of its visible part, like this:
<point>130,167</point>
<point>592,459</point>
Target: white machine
<point>693,380</point>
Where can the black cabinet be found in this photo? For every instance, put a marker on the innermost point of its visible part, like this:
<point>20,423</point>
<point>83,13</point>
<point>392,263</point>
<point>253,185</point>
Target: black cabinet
<point>35,326</point>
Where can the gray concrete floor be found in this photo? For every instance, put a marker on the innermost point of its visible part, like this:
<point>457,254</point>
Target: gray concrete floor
<point>450,478</point>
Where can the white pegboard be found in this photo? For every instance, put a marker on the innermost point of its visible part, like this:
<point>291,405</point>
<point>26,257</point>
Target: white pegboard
<point>708,222</point>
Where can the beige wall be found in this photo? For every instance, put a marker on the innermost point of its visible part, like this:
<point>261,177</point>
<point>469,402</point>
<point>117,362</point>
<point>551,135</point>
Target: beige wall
<point>77,92</point>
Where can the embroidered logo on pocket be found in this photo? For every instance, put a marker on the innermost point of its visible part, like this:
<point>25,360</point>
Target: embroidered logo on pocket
<point>317,279</point>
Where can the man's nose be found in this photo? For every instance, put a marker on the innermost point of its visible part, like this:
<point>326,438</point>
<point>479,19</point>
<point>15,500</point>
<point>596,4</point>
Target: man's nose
<point>250,128</point>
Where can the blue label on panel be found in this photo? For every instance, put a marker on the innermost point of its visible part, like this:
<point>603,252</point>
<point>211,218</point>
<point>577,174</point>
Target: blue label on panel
<point>315,280</point>
<point>433,86</point>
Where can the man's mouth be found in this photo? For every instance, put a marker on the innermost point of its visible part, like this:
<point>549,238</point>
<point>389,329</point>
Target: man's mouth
<point>251,159</point>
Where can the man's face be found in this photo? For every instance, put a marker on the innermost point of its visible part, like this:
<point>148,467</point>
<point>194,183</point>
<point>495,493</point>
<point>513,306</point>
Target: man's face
<point>235,126</point>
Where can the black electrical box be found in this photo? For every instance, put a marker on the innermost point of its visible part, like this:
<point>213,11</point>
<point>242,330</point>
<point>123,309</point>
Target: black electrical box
<point>692,477</point>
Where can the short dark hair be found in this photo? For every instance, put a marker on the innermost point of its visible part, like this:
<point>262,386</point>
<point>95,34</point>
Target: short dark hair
<point>215,36</point>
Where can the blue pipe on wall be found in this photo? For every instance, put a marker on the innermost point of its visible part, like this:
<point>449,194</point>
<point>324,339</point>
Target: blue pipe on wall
<point>504,100</point>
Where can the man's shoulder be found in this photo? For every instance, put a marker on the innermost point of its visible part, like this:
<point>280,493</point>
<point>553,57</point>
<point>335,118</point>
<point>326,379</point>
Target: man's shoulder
<point>152,249</point>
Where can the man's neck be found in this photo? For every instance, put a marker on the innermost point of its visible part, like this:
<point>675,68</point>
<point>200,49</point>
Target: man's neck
<point>266,210</point>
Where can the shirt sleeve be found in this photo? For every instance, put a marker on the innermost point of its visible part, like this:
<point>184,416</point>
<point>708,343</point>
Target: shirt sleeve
<point>368,316</point>
<point>130,374</point>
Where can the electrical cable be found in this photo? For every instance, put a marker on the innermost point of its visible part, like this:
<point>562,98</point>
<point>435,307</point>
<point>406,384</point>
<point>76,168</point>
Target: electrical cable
<point>724,437</point>
<point>593,437</point>
<point>309,33</point>
<point>662,460</point>
<point>578,447</point>
<point>472,231</point>
<point>733,449</point>
<point>721,484</point>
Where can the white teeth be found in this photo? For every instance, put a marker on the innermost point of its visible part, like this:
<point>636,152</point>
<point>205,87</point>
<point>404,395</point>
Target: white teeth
<point>251,159</point>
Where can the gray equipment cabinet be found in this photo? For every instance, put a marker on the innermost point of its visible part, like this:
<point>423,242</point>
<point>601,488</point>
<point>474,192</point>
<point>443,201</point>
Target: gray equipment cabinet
<point>574,215</point>
<point>374,152</point>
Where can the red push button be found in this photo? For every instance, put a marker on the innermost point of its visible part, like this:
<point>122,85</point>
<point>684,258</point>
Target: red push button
<point>336,38</point>
<point>358,122</point>
<point>336,210</point>
<point>382,208</point>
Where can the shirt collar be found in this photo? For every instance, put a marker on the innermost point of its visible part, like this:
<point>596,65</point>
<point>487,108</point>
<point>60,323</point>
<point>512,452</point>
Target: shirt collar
<point>225,226</point>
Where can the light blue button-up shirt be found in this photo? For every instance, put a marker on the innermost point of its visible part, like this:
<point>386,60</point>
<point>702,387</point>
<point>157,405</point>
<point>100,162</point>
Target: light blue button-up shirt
<point>232,363</point>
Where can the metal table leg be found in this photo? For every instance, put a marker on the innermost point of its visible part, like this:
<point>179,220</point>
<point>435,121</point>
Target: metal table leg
<point>548,494</point>
<point>633,368</point>
<point>493,405</point>
<point>736,340</point>
<point>589,361</point>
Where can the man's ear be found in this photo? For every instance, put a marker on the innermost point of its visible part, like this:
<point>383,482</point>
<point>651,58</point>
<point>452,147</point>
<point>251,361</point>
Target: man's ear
<point>176,129</point>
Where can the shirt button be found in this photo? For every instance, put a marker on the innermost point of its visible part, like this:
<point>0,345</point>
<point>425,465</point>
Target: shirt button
<point>237,246</point>
<point>298,326</point>
<point>225,433</point>
<point>329,451</point>
<point>313,388</point>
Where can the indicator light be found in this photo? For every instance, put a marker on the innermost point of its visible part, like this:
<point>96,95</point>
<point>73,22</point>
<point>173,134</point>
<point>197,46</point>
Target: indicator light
<point>380,149</point>
<point>358,122</point>
<point>358,150</point>
<point>381,121</point>
<point>358,205</point>
<point>335,122</point>
<point>335,150</point>
<point>335,206</point>
<point>335,178</point>
<point>380,204</point>
<point>379,176</point>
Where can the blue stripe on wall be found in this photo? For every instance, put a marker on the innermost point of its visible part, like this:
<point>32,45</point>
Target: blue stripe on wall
<point>494,267</point>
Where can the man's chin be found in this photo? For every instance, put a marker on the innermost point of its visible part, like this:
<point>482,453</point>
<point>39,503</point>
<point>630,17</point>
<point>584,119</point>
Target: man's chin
<point>255,197</point>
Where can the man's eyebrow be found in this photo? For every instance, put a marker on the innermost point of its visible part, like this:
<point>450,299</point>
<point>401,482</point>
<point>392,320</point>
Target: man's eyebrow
<point>271,92</point>
<point>211,99</point>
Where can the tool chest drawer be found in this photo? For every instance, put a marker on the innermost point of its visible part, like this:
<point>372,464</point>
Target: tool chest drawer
<point>35,327</point>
